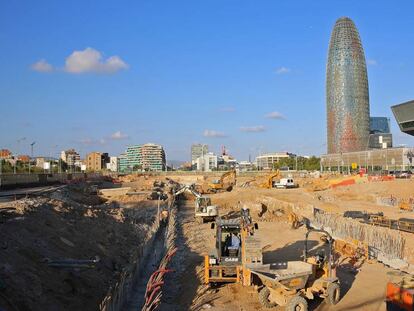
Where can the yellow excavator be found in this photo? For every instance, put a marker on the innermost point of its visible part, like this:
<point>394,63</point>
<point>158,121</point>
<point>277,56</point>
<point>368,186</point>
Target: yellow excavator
<point>268,184</point>
<point>226,182</point>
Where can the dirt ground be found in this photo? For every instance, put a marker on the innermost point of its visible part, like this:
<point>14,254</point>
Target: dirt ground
<point>362,284</point>
<point>68,224</point>
<point>362,287</point>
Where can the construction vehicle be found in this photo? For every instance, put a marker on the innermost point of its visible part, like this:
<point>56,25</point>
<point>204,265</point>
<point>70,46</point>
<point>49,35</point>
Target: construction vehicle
<point>400,295</point>
<point>268,184</point>
<point>287,283</point>
<point>203,210</point>
<point>225,183</point>
<point>285,183</point>
<point>280,183</point>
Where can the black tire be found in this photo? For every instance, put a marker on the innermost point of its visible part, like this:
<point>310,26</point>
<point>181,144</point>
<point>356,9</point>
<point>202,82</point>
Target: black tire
<point>264,298</point>
<point>297,303</point>
<point>334,293</point>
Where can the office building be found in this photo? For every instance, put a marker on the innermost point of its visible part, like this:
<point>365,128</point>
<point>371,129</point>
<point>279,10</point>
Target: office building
<point>379,133</point>
<point>207,162</point>
<point>268,160</point>
<point>388,159</point>
<point>198,150</point>
<point>347,98</point>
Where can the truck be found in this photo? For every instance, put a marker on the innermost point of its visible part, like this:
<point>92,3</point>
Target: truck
<point>203,209</point>
<point>237,258</point>
<point>285,183</point>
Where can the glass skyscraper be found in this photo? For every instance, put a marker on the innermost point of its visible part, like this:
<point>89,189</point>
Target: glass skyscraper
<point>347,98</point>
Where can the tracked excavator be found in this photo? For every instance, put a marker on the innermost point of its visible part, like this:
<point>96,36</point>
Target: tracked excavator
<point>268,184</point>
<point>203,209</point>
<point>226,182</point>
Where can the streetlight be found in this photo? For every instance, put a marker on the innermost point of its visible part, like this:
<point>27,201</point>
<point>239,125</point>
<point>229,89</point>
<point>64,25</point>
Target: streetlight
<point>31,155</point>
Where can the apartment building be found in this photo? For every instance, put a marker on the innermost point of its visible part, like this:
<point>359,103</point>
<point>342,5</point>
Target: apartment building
<point>147,157</point>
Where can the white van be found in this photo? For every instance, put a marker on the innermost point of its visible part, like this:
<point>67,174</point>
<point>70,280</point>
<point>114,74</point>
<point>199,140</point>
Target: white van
<point>285,183</point>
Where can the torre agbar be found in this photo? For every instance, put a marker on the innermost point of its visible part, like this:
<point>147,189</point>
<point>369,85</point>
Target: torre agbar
<point>347,97</point>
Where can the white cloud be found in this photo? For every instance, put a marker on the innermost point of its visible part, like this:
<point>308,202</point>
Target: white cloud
<point>253,129</point>
<point>282,70</point>
<point>42,66</point>
<point>91,60</point>
<point>371,62</point>
<point>118,136</point>
<point>275,115</point>
<point>212,133</point>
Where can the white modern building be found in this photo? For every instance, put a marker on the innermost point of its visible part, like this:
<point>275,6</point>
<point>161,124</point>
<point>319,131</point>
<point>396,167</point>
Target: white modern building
<point>198,150</point>
<point>268,160</point>
<point>112,165</point>
<point>207,162</point>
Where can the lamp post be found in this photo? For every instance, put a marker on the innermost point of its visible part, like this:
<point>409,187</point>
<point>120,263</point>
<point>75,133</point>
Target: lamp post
<point>31,155</point>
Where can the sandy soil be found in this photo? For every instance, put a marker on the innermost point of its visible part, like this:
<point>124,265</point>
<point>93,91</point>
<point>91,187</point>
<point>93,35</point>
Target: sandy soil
<point>362,287</point>
<point>78,226</point>
<point>59,227</point>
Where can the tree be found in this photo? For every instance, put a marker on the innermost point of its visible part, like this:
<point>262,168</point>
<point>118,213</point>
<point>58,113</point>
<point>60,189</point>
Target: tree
<point>313,164</point>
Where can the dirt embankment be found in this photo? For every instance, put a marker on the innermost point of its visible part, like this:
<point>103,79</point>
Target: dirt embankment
<point>67,225</point>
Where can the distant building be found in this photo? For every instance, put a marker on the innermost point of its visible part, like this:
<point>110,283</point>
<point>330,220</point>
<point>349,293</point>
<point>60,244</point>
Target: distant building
<point>404,114</point>
<point>379,133</point>
<point>23,158</point>
<point>198,150</point>
<point>207,162</point>
<point>70,157</point>
<point>226,162</point>
<point>5,154</point>
<point>347,97</point>
<point>122,163</point>
<point>40,161</point>
<point>244,166</point>
<point>389,159</point>
<point>147,157</point>
<point>112,165</point>
<point>268,160</point>
<point>96,161</point>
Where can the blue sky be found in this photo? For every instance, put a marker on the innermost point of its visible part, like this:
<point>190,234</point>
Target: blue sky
<point>101,75</point>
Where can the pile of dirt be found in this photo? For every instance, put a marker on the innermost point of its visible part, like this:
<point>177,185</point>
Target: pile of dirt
<point>60,227</point>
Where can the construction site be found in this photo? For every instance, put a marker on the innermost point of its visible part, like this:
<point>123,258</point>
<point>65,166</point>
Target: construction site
<point>220,242</point>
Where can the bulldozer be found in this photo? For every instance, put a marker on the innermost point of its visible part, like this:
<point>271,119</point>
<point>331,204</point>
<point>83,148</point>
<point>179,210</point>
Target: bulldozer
<point>225,183</point>
<point>237,258</point>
